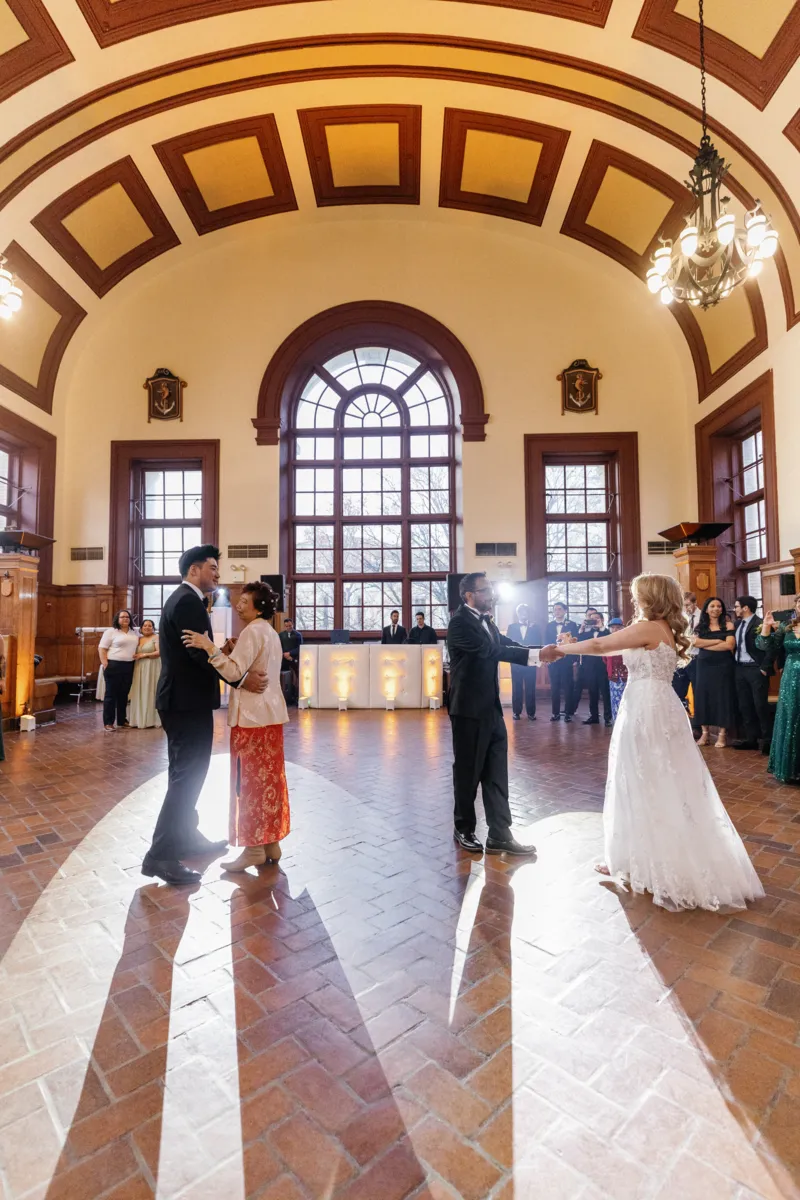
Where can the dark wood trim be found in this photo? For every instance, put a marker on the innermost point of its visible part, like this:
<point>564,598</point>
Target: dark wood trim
<point>753,405</point>
<point>738,146</point>
<point>265,130</point>
<point>368,322</point>
<point>792,130</point>
<point>36,278</point>
<point>43,52</point>
<point>37,451</point>
<point>408,118</point>
<point>112,23</point>
<point>458,122</point>
<point>124,456</point>
<point>757,79</point>
<point>707,380</point>
<point>621,450</point>
<point>49,223</point>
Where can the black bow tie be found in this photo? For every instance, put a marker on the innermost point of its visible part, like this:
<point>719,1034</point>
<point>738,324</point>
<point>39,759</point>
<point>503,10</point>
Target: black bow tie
<point>485,617</point>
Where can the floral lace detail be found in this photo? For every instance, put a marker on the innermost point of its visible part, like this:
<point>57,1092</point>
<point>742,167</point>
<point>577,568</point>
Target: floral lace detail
<point>666,829</point>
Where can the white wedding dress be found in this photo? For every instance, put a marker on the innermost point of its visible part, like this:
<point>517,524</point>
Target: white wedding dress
<point>666,829</point>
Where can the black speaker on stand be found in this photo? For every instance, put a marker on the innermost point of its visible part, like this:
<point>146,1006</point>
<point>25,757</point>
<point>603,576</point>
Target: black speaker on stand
<point>787,583</point>
<point>453,595</point>
<point>278,584</point>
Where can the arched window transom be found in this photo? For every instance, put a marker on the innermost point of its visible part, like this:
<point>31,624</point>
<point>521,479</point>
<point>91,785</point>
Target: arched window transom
<point>371,461</point>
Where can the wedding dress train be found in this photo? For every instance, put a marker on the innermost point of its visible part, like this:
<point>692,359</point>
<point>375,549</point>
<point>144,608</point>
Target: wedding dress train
<point>666,829</point>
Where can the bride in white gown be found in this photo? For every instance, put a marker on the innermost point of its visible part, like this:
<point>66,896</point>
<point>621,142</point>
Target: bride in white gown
<point>666,829</point>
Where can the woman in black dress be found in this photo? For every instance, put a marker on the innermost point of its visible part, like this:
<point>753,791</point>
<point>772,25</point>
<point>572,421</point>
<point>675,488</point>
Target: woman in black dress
<point>715,689</point>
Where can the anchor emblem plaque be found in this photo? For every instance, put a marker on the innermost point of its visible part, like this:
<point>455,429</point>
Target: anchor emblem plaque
<point>579,387</point>
<point>164,396</point>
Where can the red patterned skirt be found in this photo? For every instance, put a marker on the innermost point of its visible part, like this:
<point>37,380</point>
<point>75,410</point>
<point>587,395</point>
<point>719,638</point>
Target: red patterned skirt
<point>259,793</point>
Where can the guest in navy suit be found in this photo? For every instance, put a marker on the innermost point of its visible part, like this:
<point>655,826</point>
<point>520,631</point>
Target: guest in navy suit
<point>523,679</point>
<point>560,674</point>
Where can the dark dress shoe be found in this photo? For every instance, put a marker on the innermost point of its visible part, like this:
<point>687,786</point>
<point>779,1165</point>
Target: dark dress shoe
<point>592,721</point>
<point>556,717</point>
<point>508,846</point>
<point>170,870</point>
<point>202,845</point>
<point>517,717</point>
<point>608,722</point>
<point>744,745</point>
<point>468,841</point>
<point>531,716</point>
<point>567,719</point>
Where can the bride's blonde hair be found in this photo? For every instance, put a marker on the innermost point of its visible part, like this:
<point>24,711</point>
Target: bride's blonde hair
<point>659,598</point>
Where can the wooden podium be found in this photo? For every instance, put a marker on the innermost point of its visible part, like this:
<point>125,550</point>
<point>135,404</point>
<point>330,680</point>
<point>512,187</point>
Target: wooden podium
<point>19,577</point>
<point>697,571</point>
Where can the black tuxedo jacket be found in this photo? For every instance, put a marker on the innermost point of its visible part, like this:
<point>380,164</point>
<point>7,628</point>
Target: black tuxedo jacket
<point>474,654</point>
<point>291,641</point>
<point>588,661</point>
<point>422,637</point>
<point>532,635</point>
<point>187,681</point>
<point>400,636</point>
<point>762,658</point>
<point>551,632</point>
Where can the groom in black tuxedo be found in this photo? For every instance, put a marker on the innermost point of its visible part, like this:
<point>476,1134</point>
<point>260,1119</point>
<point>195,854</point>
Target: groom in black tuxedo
<point>188,693</point>
<point>480,741</point>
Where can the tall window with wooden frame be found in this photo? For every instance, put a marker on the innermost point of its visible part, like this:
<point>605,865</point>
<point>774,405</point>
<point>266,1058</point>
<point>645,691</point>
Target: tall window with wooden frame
<point>370,469</point>
<point>737,483</point>
<point>10,488</point>
<point>583,536</point>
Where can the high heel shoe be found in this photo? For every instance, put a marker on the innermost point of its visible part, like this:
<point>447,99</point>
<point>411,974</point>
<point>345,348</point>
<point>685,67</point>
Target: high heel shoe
<point>272,852</point>
<point>251,856</point>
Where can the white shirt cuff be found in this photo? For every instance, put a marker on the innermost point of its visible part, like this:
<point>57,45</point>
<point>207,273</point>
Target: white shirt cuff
<point>533,658</point>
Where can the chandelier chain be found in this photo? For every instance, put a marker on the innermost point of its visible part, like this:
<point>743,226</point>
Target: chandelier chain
<point>703,70</point>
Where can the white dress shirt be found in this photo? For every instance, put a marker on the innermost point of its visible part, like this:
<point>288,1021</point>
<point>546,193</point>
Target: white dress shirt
<point>742,654</point>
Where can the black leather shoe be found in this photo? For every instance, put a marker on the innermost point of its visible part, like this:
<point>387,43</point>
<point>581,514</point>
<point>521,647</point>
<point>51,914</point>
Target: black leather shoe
<point>170,870</point>
<point>567,719</point>
<point>517,717</point>
<point>608,722</point>
<point>592,721</point>
<point>556,717</point>
<point>509,846</point>
<point>468,841</point>
<point>744,745</point>
<point>202,845</point>
<point>531,717</point>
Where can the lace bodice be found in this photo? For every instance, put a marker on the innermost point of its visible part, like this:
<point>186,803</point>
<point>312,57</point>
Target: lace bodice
<point>658,664</point>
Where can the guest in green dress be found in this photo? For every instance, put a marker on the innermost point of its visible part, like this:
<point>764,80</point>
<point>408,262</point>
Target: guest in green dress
<point>784,755</point>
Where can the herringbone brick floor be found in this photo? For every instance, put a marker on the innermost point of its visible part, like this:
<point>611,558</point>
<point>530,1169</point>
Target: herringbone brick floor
<point>382,1016</point>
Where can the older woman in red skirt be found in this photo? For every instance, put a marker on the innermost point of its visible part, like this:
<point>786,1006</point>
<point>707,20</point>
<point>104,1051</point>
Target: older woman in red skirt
<point>259,813</point>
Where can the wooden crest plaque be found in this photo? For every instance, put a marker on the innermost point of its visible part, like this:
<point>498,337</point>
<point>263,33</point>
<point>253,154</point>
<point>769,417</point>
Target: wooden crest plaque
<point>579,387</point>
<point>164,396</point>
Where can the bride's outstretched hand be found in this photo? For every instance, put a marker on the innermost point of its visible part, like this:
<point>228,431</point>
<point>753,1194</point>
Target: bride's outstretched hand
<point>550,654</point>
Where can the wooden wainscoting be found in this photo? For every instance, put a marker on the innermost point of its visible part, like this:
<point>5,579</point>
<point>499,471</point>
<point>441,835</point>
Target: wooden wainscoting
<point>64,608</point>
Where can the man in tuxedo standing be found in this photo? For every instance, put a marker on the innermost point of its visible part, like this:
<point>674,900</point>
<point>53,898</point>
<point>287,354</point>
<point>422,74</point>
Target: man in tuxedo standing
<point>523,679</point>
<point>394,634</point>
<point>560,671</point>
<point>480,740</point>
<point>422,634</point>
<point>188,693</point>
<point>291,641</point>
<point>752,671</point>
<point>593,673</point>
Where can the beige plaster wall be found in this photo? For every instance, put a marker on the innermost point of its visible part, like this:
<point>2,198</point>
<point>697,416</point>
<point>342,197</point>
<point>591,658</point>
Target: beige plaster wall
<point>524,311</point>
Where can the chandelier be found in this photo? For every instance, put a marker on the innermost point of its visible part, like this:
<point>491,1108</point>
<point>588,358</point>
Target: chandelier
<point>713,254</point>
<point>10,294</point>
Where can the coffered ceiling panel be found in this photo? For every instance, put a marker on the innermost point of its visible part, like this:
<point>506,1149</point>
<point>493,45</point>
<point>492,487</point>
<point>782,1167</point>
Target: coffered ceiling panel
<point>363,154</point>
<point>750,45</point>
<point>107,225</point>
<point>499,165</point>
<point>229,173</point>
<point>629,210</point>
<point>33,342</point>
<point>30,45</point>
<point>727,328</point>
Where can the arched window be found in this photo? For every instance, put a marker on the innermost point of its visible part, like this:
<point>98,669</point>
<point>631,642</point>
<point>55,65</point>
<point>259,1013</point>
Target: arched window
<point>371,474</point>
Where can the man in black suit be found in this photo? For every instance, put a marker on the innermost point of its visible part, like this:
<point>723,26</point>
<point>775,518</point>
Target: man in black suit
<point>188,693</point>
<point>480,740</point>
<point>593,673</point>
<point>291,641</point>
<point>752,671</point>
<point>422,634</point>
<point>523,679</point>
<point>560,671</point>
<point>394,634</point>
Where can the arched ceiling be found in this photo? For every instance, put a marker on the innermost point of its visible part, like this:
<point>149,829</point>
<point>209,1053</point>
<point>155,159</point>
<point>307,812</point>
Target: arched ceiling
<point>132,128</point>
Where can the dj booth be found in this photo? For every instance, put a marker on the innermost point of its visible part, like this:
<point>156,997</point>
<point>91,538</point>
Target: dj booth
<point>370,676</point>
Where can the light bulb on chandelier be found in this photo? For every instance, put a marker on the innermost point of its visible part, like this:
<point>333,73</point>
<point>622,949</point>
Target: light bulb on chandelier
<point>713,254</point>
<point>10,294</point>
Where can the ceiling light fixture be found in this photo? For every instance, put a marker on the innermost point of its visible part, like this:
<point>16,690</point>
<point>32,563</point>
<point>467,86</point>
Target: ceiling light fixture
<point>713,254</point>
<point>10,294</point>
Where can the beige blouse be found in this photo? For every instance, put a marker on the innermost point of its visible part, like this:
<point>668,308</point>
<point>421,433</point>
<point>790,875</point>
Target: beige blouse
<point>258,647</point>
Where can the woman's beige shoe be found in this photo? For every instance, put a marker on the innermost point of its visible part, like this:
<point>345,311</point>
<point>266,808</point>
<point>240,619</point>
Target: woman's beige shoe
<point>251,856</point>
<point>273,851</point>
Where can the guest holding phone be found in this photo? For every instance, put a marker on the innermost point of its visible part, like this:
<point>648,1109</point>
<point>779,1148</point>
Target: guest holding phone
<point>784,755</point>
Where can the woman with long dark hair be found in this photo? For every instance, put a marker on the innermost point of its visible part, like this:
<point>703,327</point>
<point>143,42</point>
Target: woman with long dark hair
<point>259,811</point>
<point>117,648</point>
<point>784,754</point>
<point>715,685</point>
